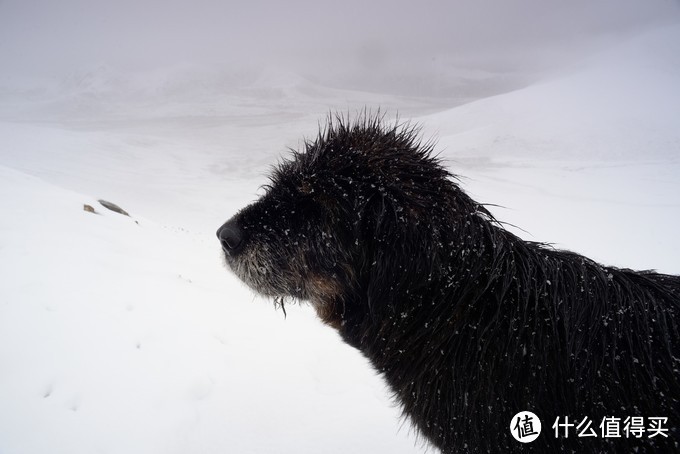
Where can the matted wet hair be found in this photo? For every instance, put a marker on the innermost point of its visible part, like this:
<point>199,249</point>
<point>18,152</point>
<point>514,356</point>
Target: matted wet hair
<point>467,323</point>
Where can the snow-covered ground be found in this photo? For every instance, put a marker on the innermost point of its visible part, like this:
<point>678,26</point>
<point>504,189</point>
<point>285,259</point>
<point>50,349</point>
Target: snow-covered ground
<point>128,335</point>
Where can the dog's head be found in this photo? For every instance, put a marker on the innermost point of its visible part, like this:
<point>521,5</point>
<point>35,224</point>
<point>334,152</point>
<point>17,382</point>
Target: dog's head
<point>362,211</point>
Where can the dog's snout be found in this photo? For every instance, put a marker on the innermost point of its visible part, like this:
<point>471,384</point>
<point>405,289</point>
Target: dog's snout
<point>231,237</point>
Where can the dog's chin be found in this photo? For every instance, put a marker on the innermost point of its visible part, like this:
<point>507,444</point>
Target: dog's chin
<point>259,279</point>
<point>268,291</point>
<point>284,293</point>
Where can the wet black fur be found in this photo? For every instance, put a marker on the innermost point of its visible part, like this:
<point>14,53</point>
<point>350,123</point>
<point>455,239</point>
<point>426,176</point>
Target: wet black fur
<point>468,323</point>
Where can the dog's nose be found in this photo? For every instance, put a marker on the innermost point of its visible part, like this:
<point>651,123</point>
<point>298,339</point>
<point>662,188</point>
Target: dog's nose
<point>230,236</point>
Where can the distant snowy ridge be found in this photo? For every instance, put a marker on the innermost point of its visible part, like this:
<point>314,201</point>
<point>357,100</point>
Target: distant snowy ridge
<point>623,104</point>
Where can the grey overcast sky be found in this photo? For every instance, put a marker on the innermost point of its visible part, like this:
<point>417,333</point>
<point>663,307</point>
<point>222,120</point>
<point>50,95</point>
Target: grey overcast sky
<point>44,37</point>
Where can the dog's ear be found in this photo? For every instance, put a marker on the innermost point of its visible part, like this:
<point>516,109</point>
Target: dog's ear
<point>397,251</point>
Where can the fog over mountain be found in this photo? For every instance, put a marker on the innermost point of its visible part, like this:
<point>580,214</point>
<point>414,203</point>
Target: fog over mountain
<point>414,48</point>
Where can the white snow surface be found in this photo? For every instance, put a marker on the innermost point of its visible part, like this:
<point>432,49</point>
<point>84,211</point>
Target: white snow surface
<point>128,335</point>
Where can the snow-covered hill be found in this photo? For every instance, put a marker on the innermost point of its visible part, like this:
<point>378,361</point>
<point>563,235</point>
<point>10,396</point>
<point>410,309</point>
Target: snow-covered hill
<point>119,336</point>
<point>620,104</point>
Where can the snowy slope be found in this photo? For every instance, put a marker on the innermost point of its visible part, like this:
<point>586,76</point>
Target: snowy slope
<point>119,336</point>
<point>128,337</point>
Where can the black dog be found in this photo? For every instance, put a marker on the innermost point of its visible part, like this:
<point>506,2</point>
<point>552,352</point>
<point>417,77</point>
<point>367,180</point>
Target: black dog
<point>468,323</point>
